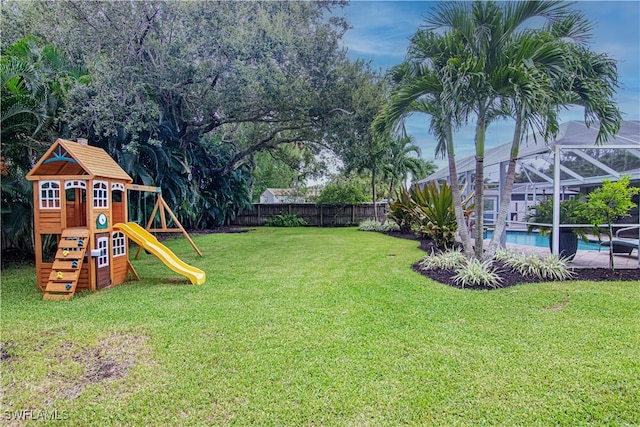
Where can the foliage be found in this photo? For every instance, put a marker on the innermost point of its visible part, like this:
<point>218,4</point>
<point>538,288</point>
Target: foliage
<point>477,273</point>
<point>551,267</point>
<point>402,210</point>
<point>373,225</point>
<point>555,268</point>
<point>285,220</point>
<point>609,202</point>
<point>198,197</point>
<point>286,166</point>
<point>403,159</point>
<point>35,79</point>
<point>184,94</point>
<point>341,194</point>
<point>435,212</point>
<point>17,212</point>
<point>488,60</point>
<point>360,148</point>
<point>428,208</point>
<point>572,211</point>
<point>447,260</point>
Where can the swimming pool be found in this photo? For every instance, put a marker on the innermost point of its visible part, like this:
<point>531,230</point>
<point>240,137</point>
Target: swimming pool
<point>535,239</point>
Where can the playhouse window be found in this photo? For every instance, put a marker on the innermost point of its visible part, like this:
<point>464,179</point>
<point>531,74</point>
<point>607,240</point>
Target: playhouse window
<point>103,245</point>
<point>100,195</point>
<point>49,194</point>
<point>75,184</point>
<point>117,191</point>
<point>118,244</point>
<point>117,186</point>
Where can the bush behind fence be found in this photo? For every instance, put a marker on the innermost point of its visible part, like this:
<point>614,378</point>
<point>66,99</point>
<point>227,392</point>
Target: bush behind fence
<point>315,215</point>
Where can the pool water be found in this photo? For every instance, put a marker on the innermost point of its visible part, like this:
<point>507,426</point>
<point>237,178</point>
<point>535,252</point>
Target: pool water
<point>535,239</point>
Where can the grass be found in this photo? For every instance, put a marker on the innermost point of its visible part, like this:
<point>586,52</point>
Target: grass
<point>313,326</point>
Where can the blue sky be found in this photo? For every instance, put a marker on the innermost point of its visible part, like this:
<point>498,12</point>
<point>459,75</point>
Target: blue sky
<point>381,30</point>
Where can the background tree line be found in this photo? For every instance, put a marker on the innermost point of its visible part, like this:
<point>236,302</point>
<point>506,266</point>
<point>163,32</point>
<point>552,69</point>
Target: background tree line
<point>200,98</point>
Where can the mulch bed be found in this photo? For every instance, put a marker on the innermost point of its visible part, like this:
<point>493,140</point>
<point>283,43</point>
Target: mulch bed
<point>510,277</point>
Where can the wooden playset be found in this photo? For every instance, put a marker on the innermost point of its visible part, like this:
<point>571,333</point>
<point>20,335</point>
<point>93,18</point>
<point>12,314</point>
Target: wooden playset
<point>80,200</point>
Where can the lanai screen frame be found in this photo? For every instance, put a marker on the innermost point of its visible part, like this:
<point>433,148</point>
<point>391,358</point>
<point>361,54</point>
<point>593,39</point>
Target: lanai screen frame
<point>573,136</point>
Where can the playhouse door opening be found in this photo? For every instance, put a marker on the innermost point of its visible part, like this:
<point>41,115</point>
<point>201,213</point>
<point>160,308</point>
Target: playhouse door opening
<point>103,275</point>
<point>76,203</point>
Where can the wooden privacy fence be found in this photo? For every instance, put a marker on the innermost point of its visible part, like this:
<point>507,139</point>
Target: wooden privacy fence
<point>315,215</point>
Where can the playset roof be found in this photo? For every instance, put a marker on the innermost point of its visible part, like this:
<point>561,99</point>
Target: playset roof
<point>69,158</point>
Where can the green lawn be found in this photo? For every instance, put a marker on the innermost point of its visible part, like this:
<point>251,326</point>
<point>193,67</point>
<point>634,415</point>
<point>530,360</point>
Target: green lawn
<point>313,326</point>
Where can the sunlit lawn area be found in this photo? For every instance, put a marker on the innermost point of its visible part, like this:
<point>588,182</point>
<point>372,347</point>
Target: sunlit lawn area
<point>313,326</point>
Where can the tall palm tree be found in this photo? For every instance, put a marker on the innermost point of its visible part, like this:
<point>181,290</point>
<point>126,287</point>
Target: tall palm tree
<point>556,70</point>
<point>425,83</point>
<point>486,30</point>
<point>403,158</point>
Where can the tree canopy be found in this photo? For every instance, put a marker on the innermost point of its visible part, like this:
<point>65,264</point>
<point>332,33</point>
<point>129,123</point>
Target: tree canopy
<point>184,94</point>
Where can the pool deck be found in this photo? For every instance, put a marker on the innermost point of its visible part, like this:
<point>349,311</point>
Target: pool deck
<point>583,258</point>
<point>586,259</point>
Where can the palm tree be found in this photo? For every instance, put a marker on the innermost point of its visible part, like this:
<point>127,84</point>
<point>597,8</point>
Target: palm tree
<point>556,71</point>
<point>403,158</point>
<point>486,30</point>
<point>425,83</point>
<point>33,81</point>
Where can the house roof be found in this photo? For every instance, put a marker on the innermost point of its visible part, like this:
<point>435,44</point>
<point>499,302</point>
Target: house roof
<point>71,158</point>
<point>573,135</point>
<point>281,191</point>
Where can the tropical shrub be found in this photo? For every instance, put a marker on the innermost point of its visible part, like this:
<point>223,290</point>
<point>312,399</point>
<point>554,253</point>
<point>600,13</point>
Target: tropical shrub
<point>477,273</point>
<point>555,268</point>
<point>572,211</point>
<point>447,260</point>
<point>341,194</point>
<point>608,203</point>
<point>436,215</point>
<point>551,267</point>
<point>285,220</point>
<point>402,210</point>
<point>373,225</point>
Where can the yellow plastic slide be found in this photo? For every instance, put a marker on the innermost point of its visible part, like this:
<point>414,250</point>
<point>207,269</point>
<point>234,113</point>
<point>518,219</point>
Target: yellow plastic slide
<point>148,241</point>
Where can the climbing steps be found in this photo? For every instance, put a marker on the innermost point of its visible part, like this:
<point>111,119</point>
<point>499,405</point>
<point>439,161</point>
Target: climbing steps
<point>65,272</point>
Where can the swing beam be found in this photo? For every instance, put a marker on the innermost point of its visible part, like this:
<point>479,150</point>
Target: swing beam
<point>162,207</point>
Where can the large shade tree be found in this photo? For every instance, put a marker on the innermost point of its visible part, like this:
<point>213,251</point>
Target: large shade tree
<point>186,92</point>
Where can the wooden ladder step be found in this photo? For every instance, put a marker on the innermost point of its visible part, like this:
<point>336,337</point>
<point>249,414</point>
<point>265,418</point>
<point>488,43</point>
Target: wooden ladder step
<point>66,268</point>
<point>61,287</point>
<point>72,244</point>
<point>64,276</point>
<point>70,254</point>
<point>75,232</point>
<point>57,297</point>
<point>67,264</point>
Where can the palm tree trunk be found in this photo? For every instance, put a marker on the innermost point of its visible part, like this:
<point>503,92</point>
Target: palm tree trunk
<point>373,193</point>
<point>391,187</point>
<point>479,183</point>
<point>505,197</point>
<point>463,230</point>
